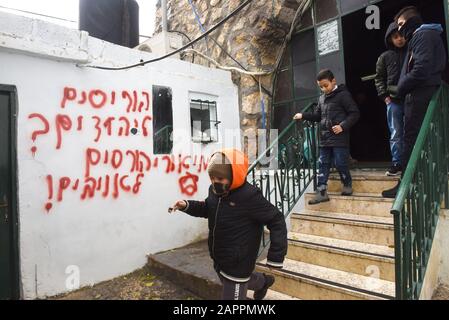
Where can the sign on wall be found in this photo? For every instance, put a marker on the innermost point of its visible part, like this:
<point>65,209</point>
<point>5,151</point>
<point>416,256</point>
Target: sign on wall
<point>328,38</point>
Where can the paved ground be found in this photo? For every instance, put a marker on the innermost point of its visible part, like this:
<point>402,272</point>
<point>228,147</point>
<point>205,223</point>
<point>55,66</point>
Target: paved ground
<point>442,293</point>
<point>139,285</point>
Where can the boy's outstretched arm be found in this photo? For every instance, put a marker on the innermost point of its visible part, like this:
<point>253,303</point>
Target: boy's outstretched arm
<point>191,207</point>
<point>352,111</point>
<point>315,115</point>
<point>196,208</point>
<point>267,214</point>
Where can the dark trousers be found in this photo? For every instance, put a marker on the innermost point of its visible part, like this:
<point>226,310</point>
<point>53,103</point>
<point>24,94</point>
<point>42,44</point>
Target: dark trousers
<point>415,108</point>
<point>238,290</point>
<point>339,157</point>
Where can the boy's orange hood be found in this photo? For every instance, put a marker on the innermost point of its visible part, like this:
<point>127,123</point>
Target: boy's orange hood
<point>239,164</point>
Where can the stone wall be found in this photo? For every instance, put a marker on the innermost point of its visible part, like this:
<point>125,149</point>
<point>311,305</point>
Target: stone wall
<point>253,37</point>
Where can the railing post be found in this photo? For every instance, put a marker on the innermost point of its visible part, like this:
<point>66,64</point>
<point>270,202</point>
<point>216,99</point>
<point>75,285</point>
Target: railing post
<point>314,156</point>
<point>398,256</point>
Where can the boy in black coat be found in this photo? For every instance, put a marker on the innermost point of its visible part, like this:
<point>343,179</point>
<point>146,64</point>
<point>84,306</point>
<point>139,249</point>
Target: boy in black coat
<point>420,78</point>
<point>237,212</point>
<point>337,113</point>
<point>388,70</point>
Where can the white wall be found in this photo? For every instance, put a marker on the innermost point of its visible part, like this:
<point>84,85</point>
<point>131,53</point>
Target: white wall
<point>104,237</point>
<point>437,272</point>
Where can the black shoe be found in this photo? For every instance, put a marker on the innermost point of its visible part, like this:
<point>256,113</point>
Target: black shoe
<point>260,294</point>
<point>395,170</point>
<point>320,196</point>
<point>346,191</point>
<point>391,193</point>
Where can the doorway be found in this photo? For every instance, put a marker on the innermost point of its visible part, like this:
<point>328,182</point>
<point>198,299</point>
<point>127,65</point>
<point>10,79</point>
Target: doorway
<point>362,47</point>
<point>9,257</point>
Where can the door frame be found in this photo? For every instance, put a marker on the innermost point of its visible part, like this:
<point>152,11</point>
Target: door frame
<point>446,13</point>
<point>14,218</point>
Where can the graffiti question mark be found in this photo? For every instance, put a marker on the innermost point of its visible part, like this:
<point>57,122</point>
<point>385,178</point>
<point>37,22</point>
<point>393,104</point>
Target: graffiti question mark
<point>38,132</point>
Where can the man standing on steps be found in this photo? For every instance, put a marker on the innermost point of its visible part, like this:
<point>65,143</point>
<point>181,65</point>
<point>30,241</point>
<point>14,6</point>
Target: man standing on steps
<point>420,78</point>
<point>237,213</point>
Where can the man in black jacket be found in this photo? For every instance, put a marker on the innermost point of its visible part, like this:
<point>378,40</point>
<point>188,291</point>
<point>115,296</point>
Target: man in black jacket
<point>388,70</point>
<point>237,213</point>
<point>420,78</point>
<point>337,113</point>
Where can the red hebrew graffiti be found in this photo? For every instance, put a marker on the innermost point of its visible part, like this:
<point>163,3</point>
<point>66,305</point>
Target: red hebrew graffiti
<point>188,184</point>
<point>63,122</point>
<point>97,99</point>
<point>115,172</point>
<point>38,132</point>
<point>135,100</point>
<point>69,95</point>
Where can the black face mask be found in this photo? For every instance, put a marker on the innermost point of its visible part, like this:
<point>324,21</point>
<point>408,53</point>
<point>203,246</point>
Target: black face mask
<point>220,188</point>
<point>410,26</point>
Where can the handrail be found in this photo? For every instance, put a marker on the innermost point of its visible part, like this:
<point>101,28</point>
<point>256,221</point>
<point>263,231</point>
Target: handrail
<point>422,191</point>
<point>295,153</point>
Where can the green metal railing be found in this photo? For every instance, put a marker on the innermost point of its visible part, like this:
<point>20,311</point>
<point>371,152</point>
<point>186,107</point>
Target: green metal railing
<point>294,155</point>
<point>422,193</point>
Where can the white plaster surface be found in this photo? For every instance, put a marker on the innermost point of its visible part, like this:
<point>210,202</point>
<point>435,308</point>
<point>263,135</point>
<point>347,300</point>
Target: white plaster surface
<point>103,236</point>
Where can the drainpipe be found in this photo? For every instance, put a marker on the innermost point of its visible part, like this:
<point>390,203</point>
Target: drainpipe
<point>164,15</point>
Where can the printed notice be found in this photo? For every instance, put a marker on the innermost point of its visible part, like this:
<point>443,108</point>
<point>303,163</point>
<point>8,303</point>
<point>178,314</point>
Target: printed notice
<point>328,39</point>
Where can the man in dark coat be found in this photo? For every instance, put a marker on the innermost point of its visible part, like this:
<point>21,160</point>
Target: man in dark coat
<point>237,213</point>
<point>388,70</point>
<point>337,113</point>
<point>420,78</point>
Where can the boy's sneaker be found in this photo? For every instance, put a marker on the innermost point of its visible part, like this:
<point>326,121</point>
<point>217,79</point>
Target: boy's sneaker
<point>320,196</point>
<point>261,293</point>
<point>395,170</point>
<point>346,191</point>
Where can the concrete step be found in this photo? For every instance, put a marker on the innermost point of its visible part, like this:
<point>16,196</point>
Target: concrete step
<point>192,268</point>
<point>356,257</point>
<point>343,226</point>
<point>364,204</point>
<point>364,182</point>
<point>310,282</point>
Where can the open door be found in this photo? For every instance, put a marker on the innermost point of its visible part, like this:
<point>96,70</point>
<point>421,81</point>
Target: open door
<point>362,47</point>
<point>9,275</point>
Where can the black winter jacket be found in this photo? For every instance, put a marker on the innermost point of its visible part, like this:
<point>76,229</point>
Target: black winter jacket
<point>389,66</point>
<point>426,60</point>
<point>235,230</point>
<point>336,108</point>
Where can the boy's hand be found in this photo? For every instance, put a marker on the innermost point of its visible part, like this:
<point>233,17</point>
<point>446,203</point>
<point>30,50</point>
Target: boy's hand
<point>179,205</point>
<point>297,116</point>
<point>337,129</point>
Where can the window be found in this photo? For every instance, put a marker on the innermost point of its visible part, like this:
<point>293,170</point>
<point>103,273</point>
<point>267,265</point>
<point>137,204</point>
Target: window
<point>332,61</point>
<point>325,10</point>
<point>283,115</point>
<point>303,47</point>
<point>162,120</point>
<point>352,5</point>
<point>305,21</point>
<point>305,80</point>
<point>304,64</point>
<point>283,86</point>
<point>203,120</point>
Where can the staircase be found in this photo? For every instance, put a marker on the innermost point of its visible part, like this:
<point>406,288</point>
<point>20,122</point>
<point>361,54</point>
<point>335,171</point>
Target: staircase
<point>342,249</point>
<point>358,247</point>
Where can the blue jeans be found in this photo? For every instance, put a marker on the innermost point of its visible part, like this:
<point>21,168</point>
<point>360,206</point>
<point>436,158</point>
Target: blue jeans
<point>395,119</point>
<point>339,157</point>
